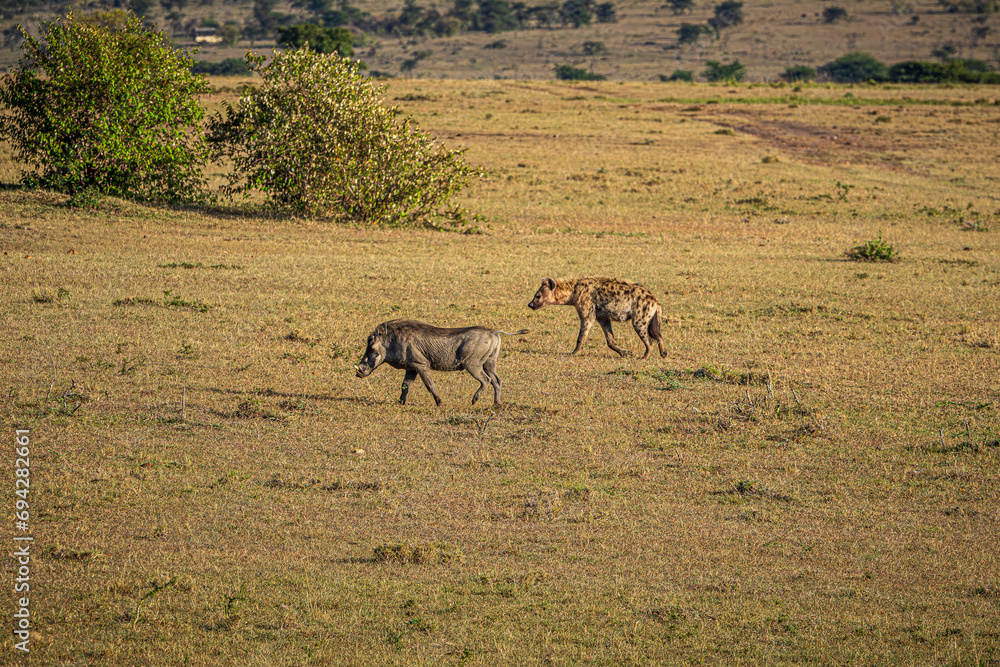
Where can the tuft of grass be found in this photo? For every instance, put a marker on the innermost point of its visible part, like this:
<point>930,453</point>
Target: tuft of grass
<point>404,553</point>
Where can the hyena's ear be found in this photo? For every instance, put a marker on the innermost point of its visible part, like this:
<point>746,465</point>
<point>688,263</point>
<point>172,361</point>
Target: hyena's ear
<point>548,282</point>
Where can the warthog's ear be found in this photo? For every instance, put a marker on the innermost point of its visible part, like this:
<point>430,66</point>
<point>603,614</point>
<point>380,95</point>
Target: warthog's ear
<point>381,330</point>
<point>549,282</point>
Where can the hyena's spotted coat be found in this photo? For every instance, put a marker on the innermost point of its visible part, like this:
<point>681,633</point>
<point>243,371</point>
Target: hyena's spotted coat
<point>605,300</point>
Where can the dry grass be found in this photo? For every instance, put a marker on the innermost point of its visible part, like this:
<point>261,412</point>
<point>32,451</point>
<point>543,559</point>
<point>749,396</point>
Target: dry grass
<point>810,476</point>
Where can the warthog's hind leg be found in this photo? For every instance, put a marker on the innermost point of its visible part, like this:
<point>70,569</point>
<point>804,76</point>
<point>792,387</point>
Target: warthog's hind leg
<point>491,371</point>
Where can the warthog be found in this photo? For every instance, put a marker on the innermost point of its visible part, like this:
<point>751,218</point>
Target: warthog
<point>605,300</point>
<point>420,348</point>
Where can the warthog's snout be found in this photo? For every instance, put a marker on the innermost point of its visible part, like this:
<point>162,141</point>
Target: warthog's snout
<point>363,370</point>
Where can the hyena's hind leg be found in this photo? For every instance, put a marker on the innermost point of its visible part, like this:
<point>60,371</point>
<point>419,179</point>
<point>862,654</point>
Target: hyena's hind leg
<point>610,336</point>
<point>655,333</point>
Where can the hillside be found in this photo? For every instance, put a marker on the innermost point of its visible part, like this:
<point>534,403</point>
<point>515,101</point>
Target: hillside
<point>642,44</point>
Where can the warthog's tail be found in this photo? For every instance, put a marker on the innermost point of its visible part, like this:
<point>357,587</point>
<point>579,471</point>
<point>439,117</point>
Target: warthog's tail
<point>516,333</point>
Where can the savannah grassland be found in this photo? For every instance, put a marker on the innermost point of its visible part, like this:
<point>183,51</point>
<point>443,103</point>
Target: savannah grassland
<point>809,476</point>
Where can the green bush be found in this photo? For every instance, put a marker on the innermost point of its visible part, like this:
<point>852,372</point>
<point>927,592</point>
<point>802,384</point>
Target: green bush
<point>855,67</point>
<point>570,73</point>
<point>227,67</point>
<point>314,138</point>
<point>105,107</point>
<point>716,71</point>
<point>323,40</point>
<point>679,75</point>
<point>799,73</point>
<point>873,250</point>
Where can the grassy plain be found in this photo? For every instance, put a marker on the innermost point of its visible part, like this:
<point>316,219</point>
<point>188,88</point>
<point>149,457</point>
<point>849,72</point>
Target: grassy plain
<point>810,475</point>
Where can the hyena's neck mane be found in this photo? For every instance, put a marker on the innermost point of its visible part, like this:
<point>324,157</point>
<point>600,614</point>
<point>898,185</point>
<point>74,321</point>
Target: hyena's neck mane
<point>565,291</point>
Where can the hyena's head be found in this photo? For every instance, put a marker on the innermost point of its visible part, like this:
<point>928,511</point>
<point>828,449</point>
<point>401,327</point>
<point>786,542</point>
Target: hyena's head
<point>375,353</point>
<point>545,296</point>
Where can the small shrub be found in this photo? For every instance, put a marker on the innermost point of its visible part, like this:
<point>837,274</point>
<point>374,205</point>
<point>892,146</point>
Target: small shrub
<point>314,138</point>
<point>873,250</point>
<point>105,106</point>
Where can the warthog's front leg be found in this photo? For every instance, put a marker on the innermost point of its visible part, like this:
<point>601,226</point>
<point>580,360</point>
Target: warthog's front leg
<point>409,377</point>
<point>425,375</point>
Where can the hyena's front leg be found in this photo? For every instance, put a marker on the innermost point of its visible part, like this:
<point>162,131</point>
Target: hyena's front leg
<point>408,378</point>
<point>586,321</point>
<point>610,336</point>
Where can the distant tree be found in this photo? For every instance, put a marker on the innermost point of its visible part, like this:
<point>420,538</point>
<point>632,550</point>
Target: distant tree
<point>727,14</point>
<point>319,39</point>
<point>945,52</point>
<point>546,15</point>
<point>606,13</point>
<point>855,67</point>
<point>594,48</point>
<point>716,71</point>
<point>576,12</point>
<point>834,14</point>
<point>979,34</point>
<point>169,5</point>
<point>140,7</point>
<point>799,73</point>
<point>690,33</point>
<point>680,6</point>
<point>230,34</point>
<point>463,11</point>
<point>495,16</point>
<point>264,20</point>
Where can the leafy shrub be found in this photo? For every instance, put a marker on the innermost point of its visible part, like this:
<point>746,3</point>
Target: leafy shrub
<point>228,67</point>
<point>799,73</point>
<point>873,250</point>
<point>314,138</point>
<point>570,73</point>
<point>716,71</point>
<point>105,107</point>
<point>855,67</point>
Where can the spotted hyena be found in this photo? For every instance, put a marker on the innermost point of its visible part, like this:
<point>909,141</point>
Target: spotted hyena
<point>605,300</point>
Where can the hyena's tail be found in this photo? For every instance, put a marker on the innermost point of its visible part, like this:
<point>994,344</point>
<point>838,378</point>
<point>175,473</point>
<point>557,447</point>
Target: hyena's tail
<point>516,333</point>
<point>654,330</point>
